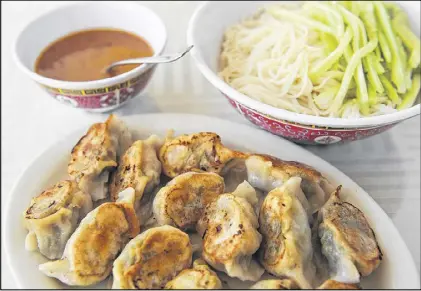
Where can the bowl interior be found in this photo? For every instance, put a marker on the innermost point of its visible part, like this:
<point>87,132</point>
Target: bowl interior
<point>206,35</point>
<point>131,17</point>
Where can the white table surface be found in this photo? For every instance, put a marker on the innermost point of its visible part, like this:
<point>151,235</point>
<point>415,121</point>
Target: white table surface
<point>387,166</point>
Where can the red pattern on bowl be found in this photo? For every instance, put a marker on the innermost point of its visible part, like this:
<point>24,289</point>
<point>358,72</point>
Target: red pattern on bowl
<point>103,99</point>
<point>305,134</point>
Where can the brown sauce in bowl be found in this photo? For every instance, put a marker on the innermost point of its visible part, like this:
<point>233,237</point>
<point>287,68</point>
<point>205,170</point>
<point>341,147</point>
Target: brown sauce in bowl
<point>83,55</point>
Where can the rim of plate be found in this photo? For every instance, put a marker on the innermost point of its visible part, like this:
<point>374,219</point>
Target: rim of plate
<point>279,113</point>
<point>406,254</point>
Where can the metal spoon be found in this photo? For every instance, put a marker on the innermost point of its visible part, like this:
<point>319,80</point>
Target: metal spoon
<point>149,60</point>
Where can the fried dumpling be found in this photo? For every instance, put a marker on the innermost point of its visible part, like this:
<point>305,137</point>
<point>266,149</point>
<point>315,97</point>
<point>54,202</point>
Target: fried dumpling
<point>280,284</point>
<point>95,156</point>
<point>53,216</point>
<point>197,152</point>
<point>89,253</point>
<point>120,134</point>
<point>198,277</point>
<point>182,201</point>
<point>229,231</point>
<point>347,241</point>
<point>144,211</point>
<point>319,260</point>
<point>286,249</point>
<point>267,173</point>
<point>138,168</point>
<point>234,175</point>
<point>152,259</point>
<point>335,285</point>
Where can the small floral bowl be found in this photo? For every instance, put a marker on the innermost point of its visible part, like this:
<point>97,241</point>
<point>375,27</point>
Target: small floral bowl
<point>206,34</point>
<point>101,95</point>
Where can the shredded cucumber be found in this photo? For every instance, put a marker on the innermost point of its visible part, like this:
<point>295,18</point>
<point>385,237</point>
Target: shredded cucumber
<point>346,59</point>
<point>410,96</point>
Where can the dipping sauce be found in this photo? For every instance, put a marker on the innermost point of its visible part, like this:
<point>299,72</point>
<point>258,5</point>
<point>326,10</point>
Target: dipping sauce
<point>83,55</point>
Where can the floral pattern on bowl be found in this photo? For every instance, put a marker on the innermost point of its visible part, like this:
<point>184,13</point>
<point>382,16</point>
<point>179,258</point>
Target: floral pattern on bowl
<point>305,134</point>
<point>102,99</point>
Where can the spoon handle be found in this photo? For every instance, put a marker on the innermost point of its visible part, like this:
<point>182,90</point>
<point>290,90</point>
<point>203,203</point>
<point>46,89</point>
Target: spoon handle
<point>146,60</point>
<point>150,60</point>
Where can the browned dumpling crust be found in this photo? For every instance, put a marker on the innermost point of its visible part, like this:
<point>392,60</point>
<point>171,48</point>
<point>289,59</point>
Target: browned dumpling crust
<point>230,237</point>
<point>152,259</point>
<point>345,227</point>
<point>286,249</point>
<point>138,168</point>
<point>95,155</point>
<point>335,285</point>
<point>199,152</point>
<point>53,216</point>
<point>182,201</point>
<point>92,248</point>
<point>198,277</point>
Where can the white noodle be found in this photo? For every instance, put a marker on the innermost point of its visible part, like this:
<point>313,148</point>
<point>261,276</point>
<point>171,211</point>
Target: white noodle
<point>269,60</point>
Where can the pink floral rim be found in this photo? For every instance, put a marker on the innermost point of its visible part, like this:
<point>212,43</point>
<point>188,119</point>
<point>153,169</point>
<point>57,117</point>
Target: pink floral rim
<point>102,98</point>
<point>303,133</point>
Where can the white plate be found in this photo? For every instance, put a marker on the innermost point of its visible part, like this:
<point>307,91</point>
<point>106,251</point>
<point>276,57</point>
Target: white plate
<point>397,270</point>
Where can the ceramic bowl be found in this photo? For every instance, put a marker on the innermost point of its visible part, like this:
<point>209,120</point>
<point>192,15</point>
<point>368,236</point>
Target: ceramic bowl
<point>100,95</point>
<point>205,32</point>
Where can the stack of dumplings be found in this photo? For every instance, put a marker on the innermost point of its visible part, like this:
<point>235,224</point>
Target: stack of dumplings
<point>131,209</point>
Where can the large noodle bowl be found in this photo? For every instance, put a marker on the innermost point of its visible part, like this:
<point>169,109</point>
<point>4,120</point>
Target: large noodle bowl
<point>324,59</point>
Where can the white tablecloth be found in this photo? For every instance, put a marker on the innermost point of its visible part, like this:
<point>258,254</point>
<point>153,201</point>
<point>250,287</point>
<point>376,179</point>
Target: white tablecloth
<point>387,166</point>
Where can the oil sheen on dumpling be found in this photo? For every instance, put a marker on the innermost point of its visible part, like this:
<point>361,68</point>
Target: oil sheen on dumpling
<point>92,248</point>
<point>279,284</point>
<point>230,237</point>
<point>138,168</point>
<point>267,173</point>
<point>335,285</point>
<point>198,277</point>
<point>347,241</point>
<point>95,156</point>
<point>152,259</point>
<point>52,217</point>
<point>199,152</point>
<point>286,249</point>
<point>182,201</point>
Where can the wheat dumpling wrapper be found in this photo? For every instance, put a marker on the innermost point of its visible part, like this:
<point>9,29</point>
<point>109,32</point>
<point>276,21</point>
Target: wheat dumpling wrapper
<point>335,285</point>
<point>267,173</point>
<point>234,174</point>
<point>199,152</point>
<point>230,221</point>
<point>92,248</point>
<point>92,159</point>
<point>121,135</point>
<point>347,241</point>
<point>52,217</point>
<point>198,277</point>
<point>279,284</point>
<point>152,166</point>
<point>144,211</point>
<point>95,156</point>
<point>138,168</point>
<point>319,260</point>
<point>152,259</point>
<point>286,249</point>
<point>182,201</point>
